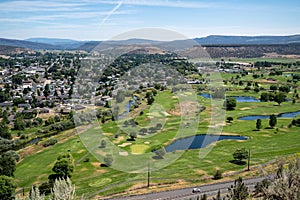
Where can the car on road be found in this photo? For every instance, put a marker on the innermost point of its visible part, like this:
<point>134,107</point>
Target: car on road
<point>196,190</point>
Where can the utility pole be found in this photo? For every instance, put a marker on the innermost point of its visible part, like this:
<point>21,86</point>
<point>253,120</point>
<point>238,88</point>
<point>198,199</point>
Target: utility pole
<point>249,160</point>
<point>148,183</point>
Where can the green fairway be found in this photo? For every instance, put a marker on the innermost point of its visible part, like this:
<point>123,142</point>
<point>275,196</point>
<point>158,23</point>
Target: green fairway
<point>163,122</point>
<point>91,178</point>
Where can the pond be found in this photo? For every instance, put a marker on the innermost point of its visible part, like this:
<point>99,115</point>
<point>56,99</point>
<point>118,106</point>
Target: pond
<point>246,99</point>
<point>199,141</point>
<point>127,109</point>
<point>281,115</point>
<point>34,141</point>
<point>205,95</point>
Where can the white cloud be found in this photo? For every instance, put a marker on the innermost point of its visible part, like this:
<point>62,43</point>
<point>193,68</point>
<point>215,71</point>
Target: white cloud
<point>113,11</point>
<point>34,6</point>
<point>160,3</point>
<point>48,19</point>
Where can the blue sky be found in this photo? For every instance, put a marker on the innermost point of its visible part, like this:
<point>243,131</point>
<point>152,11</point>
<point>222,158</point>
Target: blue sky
<point>104,19</point>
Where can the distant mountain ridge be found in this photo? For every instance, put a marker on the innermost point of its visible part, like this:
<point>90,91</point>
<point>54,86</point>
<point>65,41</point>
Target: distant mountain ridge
<point>26,44</point>
<point>61,43</point>
<point>53,41</point>
<point>219,39</point>
<point>68,44</point>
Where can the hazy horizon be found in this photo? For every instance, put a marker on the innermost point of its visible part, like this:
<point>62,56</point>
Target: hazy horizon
<point>257,35</point>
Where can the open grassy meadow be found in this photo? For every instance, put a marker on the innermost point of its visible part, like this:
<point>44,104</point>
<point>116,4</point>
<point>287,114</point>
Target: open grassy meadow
<point>93,179</point>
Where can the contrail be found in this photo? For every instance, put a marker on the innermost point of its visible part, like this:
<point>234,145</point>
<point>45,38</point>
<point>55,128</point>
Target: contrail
<point>111,12</point>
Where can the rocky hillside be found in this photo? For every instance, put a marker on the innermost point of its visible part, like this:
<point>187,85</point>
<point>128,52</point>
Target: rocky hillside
<point>252,51</point>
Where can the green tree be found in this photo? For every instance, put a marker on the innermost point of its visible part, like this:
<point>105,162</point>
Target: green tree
<point>279,98</point>
<point>239,155</point>
<point>4,131</point>
<point>258,124</point>
<point>238,191</point>
<point>264,97</point>
<point>64,166</point>
<point>56,118</point>
<point>143,131</point>
<point>132,136</point>
<point>103,144</point>
<point>229,119</point>
<point>273,87</point>
<point>7,164</point>
<point>17,101</point>
<point>150,100</point>
<point>284,88</point>
<point>5,117</point>
<point>247,88</point>
<point>230,103</point>
<point>17,79</point>
<point>218,175</point>
<point>7,188</point>
<point>19,123</point>
<point>46,90</point>
<point>160,152</point>
<point>108,160</point>
<point>272,121</point>
<point>55,93</point>
<point>45,188</point>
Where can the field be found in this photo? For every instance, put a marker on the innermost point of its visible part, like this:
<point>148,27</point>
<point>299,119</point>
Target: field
<point>189,167</point>
<point>251,60</point>
<point>172,116</point>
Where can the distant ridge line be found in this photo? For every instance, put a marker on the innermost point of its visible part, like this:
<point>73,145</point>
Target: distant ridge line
<point>209,41</point>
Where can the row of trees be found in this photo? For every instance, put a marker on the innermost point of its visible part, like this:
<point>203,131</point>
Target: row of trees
<point>272,122</point>
<point>278,97</point>
<point>8,160</point>
<point>62,169</point>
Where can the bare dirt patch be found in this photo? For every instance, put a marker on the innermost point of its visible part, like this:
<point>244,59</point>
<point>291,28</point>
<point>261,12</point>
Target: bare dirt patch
<point>80,151</point>
<point>125,144</point>
<point>186,108</point>
<point>200,172</point>
<point>136,186</point>
<point>227,133</point>
<point>95,164</point>
<point>84,169</point>
<point>246,108</point>
<point>100,171</point>
<point>208,161</point>
<point>119,139</point>
<point>123,153</point>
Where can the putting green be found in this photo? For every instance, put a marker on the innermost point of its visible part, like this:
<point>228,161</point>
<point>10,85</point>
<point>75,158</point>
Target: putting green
<point>138,148</point>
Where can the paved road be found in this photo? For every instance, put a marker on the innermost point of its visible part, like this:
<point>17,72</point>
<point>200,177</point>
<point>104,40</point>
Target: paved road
<point>211,189</point>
